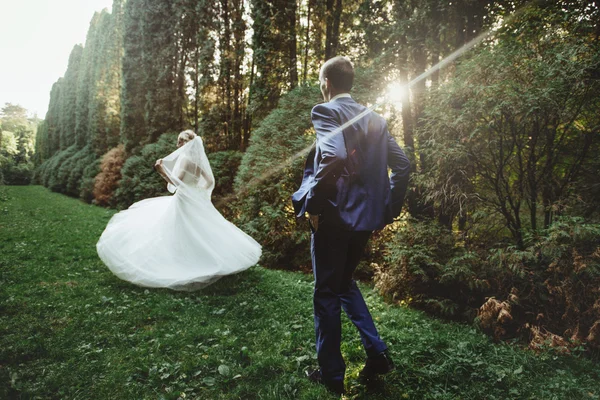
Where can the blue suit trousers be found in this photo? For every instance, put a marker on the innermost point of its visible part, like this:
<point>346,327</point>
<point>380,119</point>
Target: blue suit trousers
<point>335,255</point>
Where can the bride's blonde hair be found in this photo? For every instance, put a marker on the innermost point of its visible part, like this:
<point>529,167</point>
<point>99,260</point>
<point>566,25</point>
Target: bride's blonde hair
<point>188,134</point>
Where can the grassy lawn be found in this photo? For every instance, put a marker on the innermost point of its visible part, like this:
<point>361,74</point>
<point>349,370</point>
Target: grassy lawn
<point>69,329</point>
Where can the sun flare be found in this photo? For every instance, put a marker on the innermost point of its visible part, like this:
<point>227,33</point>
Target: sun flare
<point>396,93</point>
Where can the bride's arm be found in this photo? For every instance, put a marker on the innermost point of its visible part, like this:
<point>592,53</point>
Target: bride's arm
<point>160,169</point>
<point>207,178</point>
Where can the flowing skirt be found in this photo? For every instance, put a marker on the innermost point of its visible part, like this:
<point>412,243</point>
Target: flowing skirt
<point>180,242</point>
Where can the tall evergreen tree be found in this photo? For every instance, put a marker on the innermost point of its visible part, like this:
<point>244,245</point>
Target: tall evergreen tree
<point>53,117</point>
<point>104,98</point>
<point>274,47</point>
<point>69,105</point>
<point>133,88</point>
<point>161,60</point>
<point>86,83</point>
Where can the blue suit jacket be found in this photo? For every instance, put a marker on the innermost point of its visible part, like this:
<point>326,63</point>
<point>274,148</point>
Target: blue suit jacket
<point>346,179</point>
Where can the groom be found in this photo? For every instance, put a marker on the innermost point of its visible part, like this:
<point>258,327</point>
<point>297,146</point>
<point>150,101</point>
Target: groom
<point>347,193</point>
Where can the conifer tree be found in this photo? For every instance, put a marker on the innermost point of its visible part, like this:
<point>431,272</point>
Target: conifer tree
<point>86,82</point>
<point>69,105</point>
<point>133,88</point>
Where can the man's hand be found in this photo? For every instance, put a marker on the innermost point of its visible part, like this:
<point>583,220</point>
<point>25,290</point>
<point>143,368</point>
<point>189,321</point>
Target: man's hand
<point>314,221</point>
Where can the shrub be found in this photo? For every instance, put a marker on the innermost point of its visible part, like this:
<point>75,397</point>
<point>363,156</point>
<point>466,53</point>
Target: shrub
<point>88,178</point>
<point>549,289</point>
<point>139,178</point>
<point>426,266</point>
<point>268,175</point>
<point>107,181</point>
<point>16,174</point>
<point>224,165</point>
<point>80,161</point>
<point>554,282</point>
<point>53,178</point>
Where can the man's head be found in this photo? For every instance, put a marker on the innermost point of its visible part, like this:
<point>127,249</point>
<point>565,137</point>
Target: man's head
<point>336,76</point>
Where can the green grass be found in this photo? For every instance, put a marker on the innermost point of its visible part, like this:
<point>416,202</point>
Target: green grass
<point>69,329</point>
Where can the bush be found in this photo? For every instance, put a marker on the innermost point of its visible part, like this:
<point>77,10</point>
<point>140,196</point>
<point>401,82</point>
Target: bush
<point>107,181</point>
<point>139,178</point>
<point>80,161</point>
<point>88,178</point>
<point>53,178</point>
<point>267,178</point>
<point>425,265</point>
<point>16,174</point>
<point>224,165</point>
<point>554,282</point>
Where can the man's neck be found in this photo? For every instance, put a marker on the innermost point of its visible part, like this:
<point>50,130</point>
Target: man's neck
<point>334,96</point>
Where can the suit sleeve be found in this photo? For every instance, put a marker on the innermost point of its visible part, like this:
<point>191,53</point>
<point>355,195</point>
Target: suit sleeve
<point>400,166</point>
<point>331,150</point>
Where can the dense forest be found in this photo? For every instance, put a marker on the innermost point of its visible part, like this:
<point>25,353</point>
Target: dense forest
<point>501,222</point>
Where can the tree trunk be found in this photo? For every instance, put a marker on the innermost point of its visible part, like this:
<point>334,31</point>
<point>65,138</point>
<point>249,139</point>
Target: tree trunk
<point>319,14</point>
<point>238,34</point>
<point>306,41</point>
<point>333,15</point>
<point>225,77</point>
<point>248,119</point>
<point>293,58</point>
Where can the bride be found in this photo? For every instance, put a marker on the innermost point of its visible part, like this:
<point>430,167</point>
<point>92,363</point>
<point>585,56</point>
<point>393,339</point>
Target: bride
<point>179,242</point>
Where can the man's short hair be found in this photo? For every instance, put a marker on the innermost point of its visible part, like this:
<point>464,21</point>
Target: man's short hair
<point>340,72</point>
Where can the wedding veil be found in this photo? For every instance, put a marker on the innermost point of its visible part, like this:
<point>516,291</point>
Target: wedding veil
<point>189,170</point>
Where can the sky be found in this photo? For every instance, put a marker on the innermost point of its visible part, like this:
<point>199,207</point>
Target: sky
<point>36,38</point>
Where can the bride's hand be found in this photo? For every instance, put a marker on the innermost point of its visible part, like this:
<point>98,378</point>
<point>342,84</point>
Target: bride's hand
<point>159,164</point>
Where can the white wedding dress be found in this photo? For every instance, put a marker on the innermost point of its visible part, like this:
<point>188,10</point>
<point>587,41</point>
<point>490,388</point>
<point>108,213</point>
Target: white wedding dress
<point>179,242</point>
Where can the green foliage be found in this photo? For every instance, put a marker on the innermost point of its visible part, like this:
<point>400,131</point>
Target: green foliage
<point>271,41</point>
<point>52,177</point>
<point>132,91</point>
<point>52,122</point>
<point>249,336</point>
<point>426,267</point>
<point>513,131</point>
<point>68,107</point>
<point>224,165</point>
<point>17,135</point>
<point>88,179</point>
<point>77,164</point>
<point>86,83</point>
<point>16,174</point>
<point>555,280</point>
<point>267,179</point>
<point>139,179</point>
<point>160,66</point>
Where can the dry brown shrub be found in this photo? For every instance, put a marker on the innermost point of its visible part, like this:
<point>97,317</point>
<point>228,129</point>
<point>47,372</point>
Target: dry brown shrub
<point>495,318</point>
<point>107,181</point>
<point>593,337</point>
<point>542,340</point>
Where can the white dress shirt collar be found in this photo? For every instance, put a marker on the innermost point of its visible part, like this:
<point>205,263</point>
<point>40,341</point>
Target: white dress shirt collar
<point>339,96</point>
